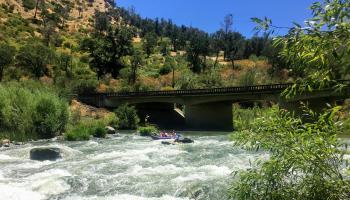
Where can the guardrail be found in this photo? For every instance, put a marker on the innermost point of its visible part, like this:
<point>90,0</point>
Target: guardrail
<point>227,90</point>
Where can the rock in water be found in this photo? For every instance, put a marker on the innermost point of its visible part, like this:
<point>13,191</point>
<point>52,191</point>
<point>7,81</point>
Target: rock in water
<point>184,141</point>
<point>110,130</point>
<point>45,153</point>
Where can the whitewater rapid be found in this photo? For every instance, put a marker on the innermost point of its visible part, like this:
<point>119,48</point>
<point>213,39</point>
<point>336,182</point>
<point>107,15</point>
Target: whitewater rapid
<point>129,167</point>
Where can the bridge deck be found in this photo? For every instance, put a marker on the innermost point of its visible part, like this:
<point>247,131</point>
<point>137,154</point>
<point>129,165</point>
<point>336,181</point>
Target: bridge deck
<point>228,90</point>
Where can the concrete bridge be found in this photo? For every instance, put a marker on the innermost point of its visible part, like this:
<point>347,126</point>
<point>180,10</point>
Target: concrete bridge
<point>208,109</point>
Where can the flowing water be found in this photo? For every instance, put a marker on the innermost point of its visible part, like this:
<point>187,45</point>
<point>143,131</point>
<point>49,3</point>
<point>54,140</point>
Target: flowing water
<point>129,167</point>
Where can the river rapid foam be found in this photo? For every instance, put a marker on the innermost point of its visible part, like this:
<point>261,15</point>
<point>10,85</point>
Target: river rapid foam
<point>124,168</point>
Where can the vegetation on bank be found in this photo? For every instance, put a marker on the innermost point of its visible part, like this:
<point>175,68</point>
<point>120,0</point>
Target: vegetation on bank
<point>148,130</point>
<point>29,110</point>
<point>305,157</point>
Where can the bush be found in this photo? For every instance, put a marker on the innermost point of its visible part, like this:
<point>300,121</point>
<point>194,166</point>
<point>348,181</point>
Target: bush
<point>166,69</point>
<point>79,133</point>
<point>83,86</point>
<point>248,77</point>
<point>148,131</point>
<point>127,116</point>
<point>100,132</point>
<point>50,116</point>
<point>31,110</point>
<point>305,159</point>
<point>29,4</point>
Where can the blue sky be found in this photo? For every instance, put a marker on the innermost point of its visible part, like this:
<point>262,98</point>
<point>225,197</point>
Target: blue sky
<point>208,14</point>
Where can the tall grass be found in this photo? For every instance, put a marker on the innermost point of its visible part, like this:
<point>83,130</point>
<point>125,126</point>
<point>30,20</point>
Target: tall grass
<point>29,110</point>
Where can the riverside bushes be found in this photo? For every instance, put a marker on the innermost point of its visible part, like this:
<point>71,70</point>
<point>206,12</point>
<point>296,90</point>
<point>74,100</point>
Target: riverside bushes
<point>87,128</point>
<point>305,159</point>
<point>127,116</point>
<point>148,131</point>
<point>29,111</point>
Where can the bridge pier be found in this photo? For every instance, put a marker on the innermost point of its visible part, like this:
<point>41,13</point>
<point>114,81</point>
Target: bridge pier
<point>209,116</point>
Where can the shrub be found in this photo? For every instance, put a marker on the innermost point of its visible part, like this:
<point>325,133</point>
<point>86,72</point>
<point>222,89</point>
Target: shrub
<point>127,116</point>
<point>82,86</point>
<point>50,116</point>
<point>248,77</point>
<point>31,110</point>
<point>148,131</point>
<point>100,132</point>
<point>305,160</point>
<point>29,4</point>
<point>79,133</point>
<point>166,69</point>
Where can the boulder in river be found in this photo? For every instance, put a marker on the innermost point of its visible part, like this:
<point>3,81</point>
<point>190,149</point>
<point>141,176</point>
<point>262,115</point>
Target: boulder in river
<point>5,143</point>
<point>45,153</point>
<point>110,130</point>
<point>184,140</point>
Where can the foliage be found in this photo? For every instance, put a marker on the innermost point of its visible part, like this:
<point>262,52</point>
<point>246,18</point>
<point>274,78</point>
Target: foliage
<point>318,52</point>
<point>7,54</point>
<point>79,133</point>
<point>36,57</point>
<point>31,111</point>
<point>211,79</point>
<point>50,116</point>
<point>100,132</point>
<point>106,50</point>
<point>147,131</point>
<point>86,128</point>
<point>304,163</point>
<point>188,80</point>
<point>165,69</point>
<point>149,43</point>
<point>248,77</point>
<point>128,118</point>
<point>29,4</point>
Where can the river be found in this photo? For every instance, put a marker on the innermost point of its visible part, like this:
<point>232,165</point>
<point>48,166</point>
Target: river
<point>129,167</point>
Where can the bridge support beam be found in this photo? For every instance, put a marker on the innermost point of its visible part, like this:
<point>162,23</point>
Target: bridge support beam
<point>209,116</point>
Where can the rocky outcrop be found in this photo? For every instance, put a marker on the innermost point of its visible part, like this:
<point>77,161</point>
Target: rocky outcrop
<point>45,153</point>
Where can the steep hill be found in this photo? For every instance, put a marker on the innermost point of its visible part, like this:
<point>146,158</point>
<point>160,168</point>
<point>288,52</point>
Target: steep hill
<point>80,11</point>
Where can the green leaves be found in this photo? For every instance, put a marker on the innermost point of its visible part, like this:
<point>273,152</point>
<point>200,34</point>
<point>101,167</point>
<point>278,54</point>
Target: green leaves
<point>304,163</point>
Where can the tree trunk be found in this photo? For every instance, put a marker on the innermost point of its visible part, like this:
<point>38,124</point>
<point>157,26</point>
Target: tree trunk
<point>36,8</point>
<point>173,83</point>
<point>1,73</point>
<point>216,59</point>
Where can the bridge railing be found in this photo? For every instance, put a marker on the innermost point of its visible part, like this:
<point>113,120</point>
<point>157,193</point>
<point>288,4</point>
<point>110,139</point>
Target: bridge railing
<point>257,88</point>
<point>213,91</point>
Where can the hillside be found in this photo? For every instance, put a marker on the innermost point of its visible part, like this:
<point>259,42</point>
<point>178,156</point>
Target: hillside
<point>94,46</point>
<point>80,11</point>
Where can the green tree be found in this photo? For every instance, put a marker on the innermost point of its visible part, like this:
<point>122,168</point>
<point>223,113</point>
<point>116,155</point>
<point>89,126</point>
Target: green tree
<point>136,60</point>
<point>128,118</point>
<point>234,43</point>
<point>197,50</point>
<point>305,158</point>
<point>319,52</point>
<point>36,57</point>
<point>107,50</point>
<point>7,54</point>
<point>149,43</point>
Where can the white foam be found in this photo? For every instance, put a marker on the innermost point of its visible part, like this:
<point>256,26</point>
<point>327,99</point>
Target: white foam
<point>197,176</point>
<point>4,157</point>
<point>17,193</point>
<point>49,182</point>
<point>124,197</point>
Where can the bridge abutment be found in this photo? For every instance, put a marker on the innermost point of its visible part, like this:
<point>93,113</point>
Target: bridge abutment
<point>209,116</point>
